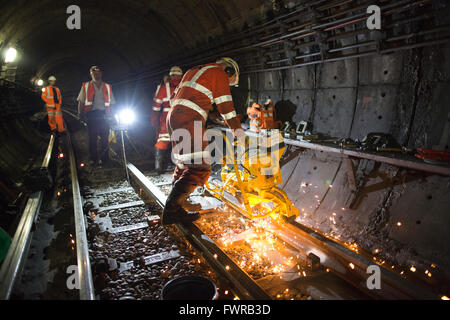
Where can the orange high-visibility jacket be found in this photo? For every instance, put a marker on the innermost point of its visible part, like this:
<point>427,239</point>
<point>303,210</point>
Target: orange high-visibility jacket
<point>254,114</point>
<point>89,93</point>
<point>161,102</point>
<point>47,96</point>
<point>262,117</point>
<point>200,87</point>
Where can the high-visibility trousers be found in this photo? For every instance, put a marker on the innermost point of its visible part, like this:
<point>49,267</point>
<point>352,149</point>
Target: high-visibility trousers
<point>163,141</point>
<point>192,157</point>
<point>55,118</point>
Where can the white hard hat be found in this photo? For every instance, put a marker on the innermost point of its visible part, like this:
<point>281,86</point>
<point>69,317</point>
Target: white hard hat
<point>51,78</point>
<point>232,71</point>
<point>175,71</point>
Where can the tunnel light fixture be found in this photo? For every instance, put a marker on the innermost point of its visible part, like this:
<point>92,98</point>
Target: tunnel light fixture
<point>10,55</point>
<point>40,82</point>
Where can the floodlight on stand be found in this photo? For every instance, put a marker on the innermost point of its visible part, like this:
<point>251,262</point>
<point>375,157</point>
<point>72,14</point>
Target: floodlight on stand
<point>126,117</point>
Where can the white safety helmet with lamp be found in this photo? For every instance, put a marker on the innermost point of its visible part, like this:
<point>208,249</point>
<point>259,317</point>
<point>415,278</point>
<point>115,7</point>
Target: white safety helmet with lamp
<point>51,78</point>
<point>175,71</point>
<point>232,70</point>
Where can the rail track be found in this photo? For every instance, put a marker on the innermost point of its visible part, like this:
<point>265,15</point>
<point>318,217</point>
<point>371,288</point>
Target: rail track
<point>124,253</point>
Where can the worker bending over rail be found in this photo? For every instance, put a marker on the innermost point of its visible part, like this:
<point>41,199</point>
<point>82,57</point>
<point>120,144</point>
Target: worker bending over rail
<point>200,88</point>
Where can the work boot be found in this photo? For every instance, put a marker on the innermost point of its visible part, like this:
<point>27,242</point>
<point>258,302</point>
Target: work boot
<point>173,210</point>
<point>159,160</point>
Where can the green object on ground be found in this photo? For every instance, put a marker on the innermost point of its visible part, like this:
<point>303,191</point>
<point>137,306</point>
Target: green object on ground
<point>5,242</point>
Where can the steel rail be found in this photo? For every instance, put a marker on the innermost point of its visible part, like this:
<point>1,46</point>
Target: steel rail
<point>84,267</point>
<point>246,288</point>
<point>409,164</point>
<point>14,261</point>
<point>412,164</point>
<point>332,254</point>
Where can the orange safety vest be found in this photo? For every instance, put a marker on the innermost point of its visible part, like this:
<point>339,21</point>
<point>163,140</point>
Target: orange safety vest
<point>47,96</point>
<point>89,93</point>
<point>262,118</point>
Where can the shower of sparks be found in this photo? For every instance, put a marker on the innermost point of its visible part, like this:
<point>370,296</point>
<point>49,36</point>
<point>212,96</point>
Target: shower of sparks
<point>252,246</point>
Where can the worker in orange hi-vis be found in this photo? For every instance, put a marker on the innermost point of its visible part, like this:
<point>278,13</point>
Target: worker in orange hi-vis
<point>263,117</point>
<point>200,88</point>
<point>160,109</point>
<point>52,98</point>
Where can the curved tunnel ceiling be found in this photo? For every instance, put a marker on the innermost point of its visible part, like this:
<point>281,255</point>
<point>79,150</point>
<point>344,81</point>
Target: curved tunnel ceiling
<point>121,36</point>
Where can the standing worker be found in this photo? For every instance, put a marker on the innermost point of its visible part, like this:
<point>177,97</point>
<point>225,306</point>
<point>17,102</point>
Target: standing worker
<point>94,106</point>
<point>52,98</point>
<point>200,88</point>
<point>161,107</point>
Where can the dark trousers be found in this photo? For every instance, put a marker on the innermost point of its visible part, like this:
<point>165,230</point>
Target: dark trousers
<point>98,127</point>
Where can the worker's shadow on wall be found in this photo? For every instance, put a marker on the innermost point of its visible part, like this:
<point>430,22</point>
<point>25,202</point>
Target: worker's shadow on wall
<point>285,110</point>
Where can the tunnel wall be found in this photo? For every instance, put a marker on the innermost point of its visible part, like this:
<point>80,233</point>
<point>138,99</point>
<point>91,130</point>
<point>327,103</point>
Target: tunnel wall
<point>406,94</point>
<point>21,140</point>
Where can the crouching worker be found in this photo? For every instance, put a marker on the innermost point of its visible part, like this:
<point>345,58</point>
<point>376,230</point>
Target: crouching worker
<point>200,87</point>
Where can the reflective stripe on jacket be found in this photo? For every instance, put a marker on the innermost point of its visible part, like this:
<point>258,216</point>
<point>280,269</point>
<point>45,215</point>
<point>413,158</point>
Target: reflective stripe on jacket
<point>47,96</point>
<point>161,101</point>
<point>202,86</point>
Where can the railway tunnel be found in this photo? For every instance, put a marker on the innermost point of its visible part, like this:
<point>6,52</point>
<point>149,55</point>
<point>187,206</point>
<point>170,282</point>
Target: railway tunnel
<point>369,172</point>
